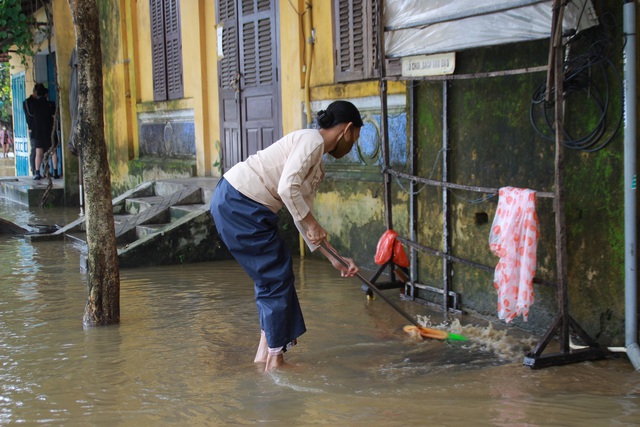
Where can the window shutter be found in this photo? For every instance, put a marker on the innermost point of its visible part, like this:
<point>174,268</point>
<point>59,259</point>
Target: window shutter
<point>166,49</point>
<point>350,43</point>
<point>156,8</point>
<point>229,63</point>
<point>175,86</point>
<point>257,52</point>
<point>265,61</point>
<point>357,36</point>
<point>249,51</point>
<point>375,38</point>
<point>257,45</point>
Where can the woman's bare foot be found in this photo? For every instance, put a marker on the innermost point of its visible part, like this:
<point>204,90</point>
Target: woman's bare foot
<point>274,361</point>
<point>263,349</point>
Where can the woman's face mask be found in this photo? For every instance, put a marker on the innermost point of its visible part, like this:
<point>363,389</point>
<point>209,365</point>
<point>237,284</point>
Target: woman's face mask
<point>344,146</point>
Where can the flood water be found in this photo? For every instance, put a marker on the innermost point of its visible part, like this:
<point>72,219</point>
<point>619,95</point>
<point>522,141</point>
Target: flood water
<point>183,355</point>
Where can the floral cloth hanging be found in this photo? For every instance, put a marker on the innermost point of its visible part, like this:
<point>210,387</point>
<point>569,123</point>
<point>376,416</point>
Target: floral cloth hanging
<point>514,238</point>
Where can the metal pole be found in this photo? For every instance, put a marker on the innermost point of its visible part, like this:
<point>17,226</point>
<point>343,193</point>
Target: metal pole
<point>630,206</point>
<point>446,238</point>
<point>561,229</point>
<point>384,125</point>
<point>413,200</point>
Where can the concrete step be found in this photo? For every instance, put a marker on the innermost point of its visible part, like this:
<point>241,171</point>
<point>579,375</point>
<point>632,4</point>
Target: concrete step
<point>26,191</point>
<point>143,231</point>
<point>121,218</point>
<point>158,223</point>
<point>178,211</point>
<point>136,205</point>
<point>78,237</point>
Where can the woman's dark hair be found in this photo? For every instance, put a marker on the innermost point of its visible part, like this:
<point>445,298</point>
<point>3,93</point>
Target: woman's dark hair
<point>339,112</point>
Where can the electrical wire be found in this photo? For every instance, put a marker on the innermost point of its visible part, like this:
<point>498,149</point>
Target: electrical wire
<point>593,75</point>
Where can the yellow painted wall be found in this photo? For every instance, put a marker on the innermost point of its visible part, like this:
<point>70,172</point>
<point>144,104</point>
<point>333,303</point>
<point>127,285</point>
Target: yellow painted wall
<point>211,115</point>
<point>291,63</point>
<point>143,48</point>
<point>65,42</point>
<point>199,55</point>
<point>198,32</point>
<point>293,38</point>
<point>116,61</point>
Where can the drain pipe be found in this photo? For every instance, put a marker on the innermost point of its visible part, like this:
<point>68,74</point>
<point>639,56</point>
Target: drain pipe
<point>631,291</point>
<point>309,33</point>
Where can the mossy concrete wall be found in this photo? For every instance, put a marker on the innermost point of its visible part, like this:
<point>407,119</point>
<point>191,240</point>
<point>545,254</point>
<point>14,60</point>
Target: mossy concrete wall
<point>493,144</point>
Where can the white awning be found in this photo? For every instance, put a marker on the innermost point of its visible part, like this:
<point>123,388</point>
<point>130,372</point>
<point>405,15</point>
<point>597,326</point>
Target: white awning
<point>419,27</point>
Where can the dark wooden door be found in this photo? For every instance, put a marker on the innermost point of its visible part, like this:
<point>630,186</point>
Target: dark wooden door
<point>248,78</point>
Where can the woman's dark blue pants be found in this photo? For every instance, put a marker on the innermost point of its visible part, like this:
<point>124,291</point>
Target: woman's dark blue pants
<point>250,231</point>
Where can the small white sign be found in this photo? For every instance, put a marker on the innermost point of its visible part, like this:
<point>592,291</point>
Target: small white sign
<point>219,30</point>
<point>429,65</point>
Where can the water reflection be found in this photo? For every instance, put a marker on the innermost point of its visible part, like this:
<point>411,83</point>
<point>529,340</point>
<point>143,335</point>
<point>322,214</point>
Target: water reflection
<point>183,353</point>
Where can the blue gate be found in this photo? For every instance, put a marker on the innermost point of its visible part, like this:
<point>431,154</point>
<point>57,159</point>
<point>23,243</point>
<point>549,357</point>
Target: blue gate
<point>20,132</point>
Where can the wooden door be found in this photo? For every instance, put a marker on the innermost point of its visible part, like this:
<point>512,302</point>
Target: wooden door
<point>248,78</point>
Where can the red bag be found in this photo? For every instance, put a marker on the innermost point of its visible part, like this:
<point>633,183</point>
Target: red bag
<point>387,246</point>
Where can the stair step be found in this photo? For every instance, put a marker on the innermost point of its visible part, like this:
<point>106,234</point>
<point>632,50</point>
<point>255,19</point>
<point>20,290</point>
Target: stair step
<point>120,218</point>
<point>146,230</point>
<point>76,237</point>
<point>136,205</point>
<point>166,188</point>
<point>178,211</point>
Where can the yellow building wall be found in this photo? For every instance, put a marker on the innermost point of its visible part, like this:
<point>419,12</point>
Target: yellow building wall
<point>65,36</point>
<point>143,48</point>
<point>118,130</point>
<point>198,32</point>
<point>293,43</point>
<point>200,77</point>
<point>212,162</point>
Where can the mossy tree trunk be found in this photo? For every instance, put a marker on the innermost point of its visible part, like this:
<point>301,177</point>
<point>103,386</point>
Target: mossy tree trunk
<point>103,304</point>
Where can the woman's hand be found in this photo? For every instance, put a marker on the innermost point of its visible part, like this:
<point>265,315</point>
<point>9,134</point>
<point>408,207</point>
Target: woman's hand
<point>315,233</point>
<point>338,262</point>
<point>349,271</point>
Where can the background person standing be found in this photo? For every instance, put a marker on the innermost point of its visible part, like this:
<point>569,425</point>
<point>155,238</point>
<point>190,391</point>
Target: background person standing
<point>43,112</point>
<point>27,106</point>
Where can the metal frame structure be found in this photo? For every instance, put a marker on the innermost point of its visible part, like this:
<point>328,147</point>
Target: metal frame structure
<point>563,322</point>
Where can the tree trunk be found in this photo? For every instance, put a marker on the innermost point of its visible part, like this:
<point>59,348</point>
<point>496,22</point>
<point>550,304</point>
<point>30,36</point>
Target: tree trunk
<point>103,304</point>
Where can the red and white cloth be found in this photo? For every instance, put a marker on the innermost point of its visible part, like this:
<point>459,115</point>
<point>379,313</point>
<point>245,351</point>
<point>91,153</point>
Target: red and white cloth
<point>514,238</point>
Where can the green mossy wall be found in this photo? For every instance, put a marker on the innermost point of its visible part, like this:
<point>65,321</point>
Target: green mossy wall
<point>493,144</point>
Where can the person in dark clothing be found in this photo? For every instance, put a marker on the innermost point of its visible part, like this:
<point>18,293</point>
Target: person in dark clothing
<point>27,106</point>
<point>43,112</point>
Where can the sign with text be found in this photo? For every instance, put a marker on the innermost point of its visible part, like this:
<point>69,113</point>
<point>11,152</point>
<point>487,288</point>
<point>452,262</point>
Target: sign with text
<point>428,65</point>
